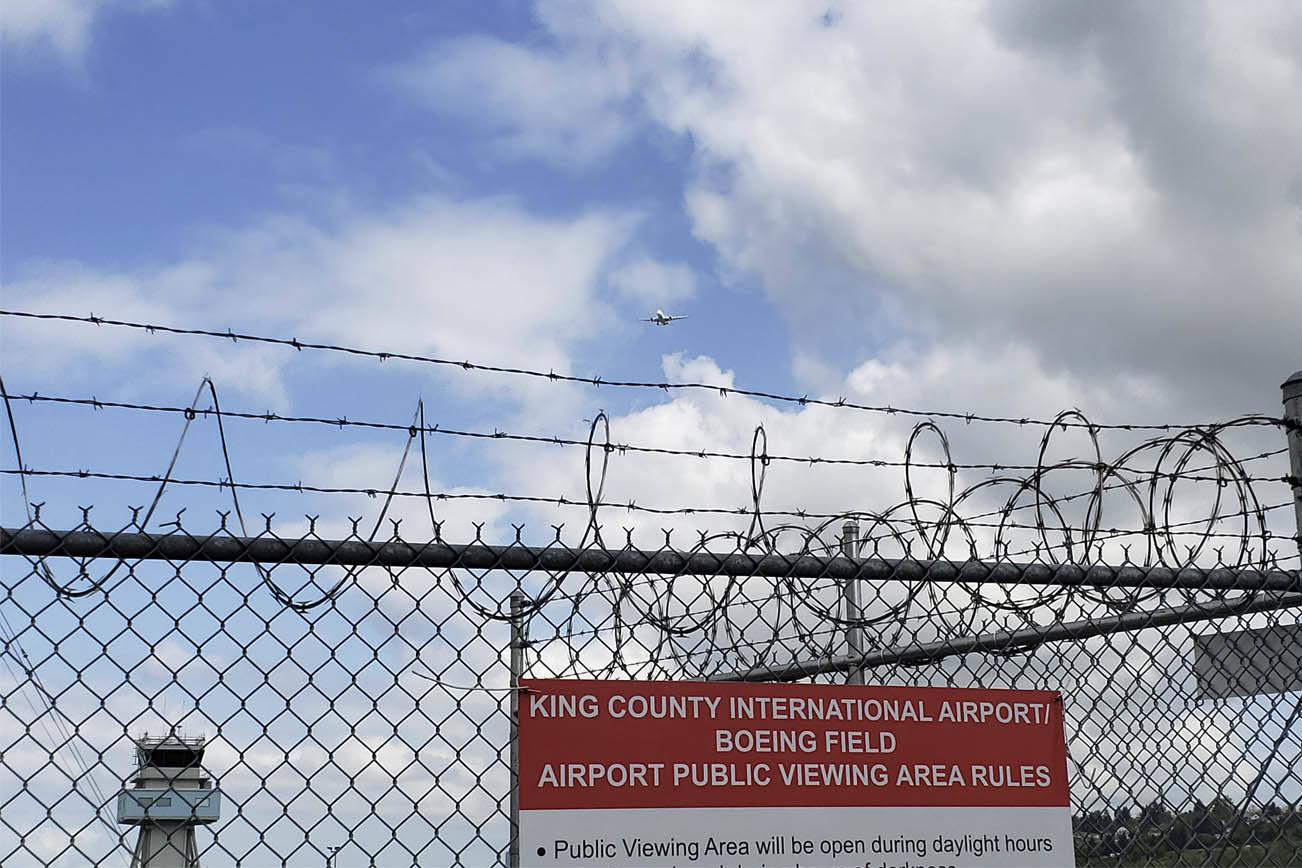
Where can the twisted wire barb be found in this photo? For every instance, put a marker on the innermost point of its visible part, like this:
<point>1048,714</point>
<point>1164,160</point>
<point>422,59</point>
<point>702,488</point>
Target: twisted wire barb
<point>927,527</point>
<point>803,400</point>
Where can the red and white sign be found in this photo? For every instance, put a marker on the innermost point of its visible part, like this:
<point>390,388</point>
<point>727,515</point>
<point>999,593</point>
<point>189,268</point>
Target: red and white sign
<point>629,773</point>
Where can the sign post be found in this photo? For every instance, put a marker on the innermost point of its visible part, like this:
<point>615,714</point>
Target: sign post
<point>853,613</point>
<point>626,773</point>
<point>517,667</point>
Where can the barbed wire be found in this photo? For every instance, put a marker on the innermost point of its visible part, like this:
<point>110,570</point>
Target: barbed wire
<point>936,526</point>
<point>1184,498</point>
<point>549,440</point>
<point>93,585</point>
<point>554,440</point>
<point>764,458</point>
<point>909,530</point>
<point>598,381</point>
<point>572,501</point>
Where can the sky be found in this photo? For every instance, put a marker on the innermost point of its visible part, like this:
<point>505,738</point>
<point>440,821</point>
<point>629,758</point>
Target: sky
<point>1006,209</point>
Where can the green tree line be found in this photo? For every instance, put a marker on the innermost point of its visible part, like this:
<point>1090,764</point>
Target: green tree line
<point>1212,834</point>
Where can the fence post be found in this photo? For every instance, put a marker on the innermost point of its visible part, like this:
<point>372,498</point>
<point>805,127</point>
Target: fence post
<point>853,629</point>
<point>1292,396</point>
<point>517,669</point>
<point>1292,389</point>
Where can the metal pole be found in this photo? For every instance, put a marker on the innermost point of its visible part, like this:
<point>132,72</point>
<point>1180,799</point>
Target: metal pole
<point>1292,394</point>
<point>1292,389</point>
<point>556,559</point>
<point>517,669</point>
<point>1071,631</point>
<point>853,630</point>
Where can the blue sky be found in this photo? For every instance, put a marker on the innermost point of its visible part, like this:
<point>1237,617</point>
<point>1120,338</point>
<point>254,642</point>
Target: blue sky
<point>1000,209</point>
<point>178,123</point>
<point>194,116</point>
<point>173,129</point>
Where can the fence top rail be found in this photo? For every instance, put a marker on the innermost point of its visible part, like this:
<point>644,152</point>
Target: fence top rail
<point>559,558</point>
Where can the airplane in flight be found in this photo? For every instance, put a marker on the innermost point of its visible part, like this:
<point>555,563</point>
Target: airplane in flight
<point>661,318</point>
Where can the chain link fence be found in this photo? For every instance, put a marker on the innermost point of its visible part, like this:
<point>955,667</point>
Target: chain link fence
<point>351,690</point>
<point>354,694</point>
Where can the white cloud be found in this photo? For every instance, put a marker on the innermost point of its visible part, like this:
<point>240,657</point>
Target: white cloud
<point>653,284</point>
<point>470,279</point>
<point>63,27</point>
<point>284,159</point>
<point>1110,189</point>
<point>477,280</point>
<point>565,108</point>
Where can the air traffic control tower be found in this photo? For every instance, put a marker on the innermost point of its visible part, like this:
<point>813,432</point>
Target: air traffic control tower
<point>168,796</point>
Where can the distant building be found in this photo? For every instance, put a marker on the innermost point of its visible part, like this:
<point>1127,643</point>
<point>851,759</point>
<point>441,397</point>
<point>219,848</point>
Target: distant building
<point>167,797</point>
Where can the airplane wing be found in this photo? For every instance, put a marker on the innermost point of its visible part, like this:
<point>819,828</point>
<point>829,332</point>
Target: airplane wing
<point>672,318</point>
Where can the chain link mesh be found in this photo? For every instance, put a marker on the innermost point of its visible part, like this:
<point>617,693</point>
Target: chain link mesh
<point>353,691</point>
<point>376,720</point>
